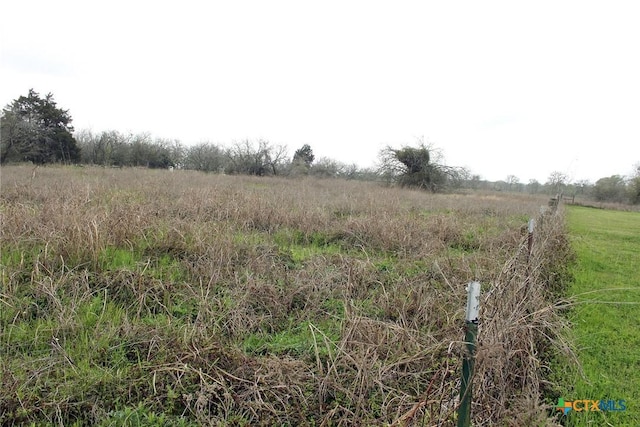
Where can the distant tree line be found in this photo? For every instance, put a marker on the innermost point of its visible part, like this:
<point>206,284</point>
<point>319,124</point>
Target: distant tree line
<point>112,148</point>
<point>34,129</point>
<point>259,158</point>
<point>613,189</point>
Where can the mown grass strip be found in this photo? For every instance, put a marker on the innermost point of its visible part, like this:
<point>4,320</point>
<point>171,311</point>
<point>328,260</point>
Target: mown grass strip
<point>606,316</point>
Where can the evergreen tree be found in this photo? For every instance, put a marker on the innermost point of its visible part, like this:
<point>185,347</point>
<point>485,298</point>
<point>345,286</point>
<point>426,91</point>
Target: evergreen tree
<point>34,129</point>
<point>304,156</point>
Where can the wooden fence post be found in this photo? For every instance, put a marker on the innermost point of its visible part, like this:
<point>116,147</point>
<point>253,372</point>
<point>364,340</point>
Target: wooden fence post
<point>531,226</point>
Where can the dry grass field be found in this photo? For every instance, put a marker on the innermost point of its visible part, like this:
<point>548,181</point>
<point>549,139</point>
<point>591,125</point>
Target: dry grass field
<point>141,297</point>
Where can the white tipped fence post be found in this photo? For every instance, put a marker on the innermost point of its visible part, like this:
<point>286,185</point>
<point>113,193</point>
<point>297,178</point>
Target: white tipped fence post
<point>471,333</point>
<point>532,224</point>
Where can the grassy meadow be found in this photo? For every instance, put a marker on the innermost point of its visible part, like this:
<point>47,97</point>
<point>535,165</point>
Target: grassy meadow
<point>149,297</point>
<point>607,312</point>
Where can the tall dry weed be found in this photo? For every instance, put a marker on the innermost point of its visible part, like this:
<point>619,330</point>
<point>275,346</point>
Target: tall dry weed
<point>213,299</point>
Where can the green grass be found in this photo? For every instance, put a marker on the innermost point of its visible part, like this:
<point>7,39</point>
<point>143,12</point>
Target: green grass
<point>134,297</point>
<point>606,317</point>
<point>302,339</point>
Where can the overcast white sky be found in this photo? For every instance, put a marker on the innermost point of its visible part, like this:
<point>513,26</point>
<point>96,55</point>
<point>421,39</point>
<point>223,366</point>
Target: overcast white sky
<point>510,87</point>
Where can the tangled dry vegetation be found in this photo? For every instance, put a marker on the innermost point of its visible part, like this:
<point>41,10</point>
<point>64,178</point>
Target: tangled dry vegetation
<point>191,299</point>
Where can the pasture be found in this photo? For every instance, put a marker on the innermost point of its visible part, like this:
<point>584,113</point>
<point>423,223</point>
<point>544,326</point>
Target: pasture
<point>606,314</point>
<point>142,297</point>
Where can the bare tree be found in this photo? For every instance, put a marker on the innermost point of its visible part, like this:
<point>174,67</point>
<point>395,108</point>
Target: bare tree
<point>511,181</point>
<point>556,181</point>
<point>265,159</point>
<point>422,166</point>
<point>205,157</point>
<point>277,157</point>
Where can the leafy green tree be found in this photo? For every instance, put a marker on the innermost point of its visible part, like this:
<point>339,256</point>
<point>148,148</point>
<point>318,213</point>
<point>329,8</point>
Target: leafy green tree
<point>610,189</point>
<point>34,129</point>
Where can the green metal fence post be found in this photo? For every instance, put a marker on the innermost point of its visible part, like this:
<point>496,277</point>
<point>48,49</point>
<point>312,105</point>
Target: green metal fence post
<point>471,333</point>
